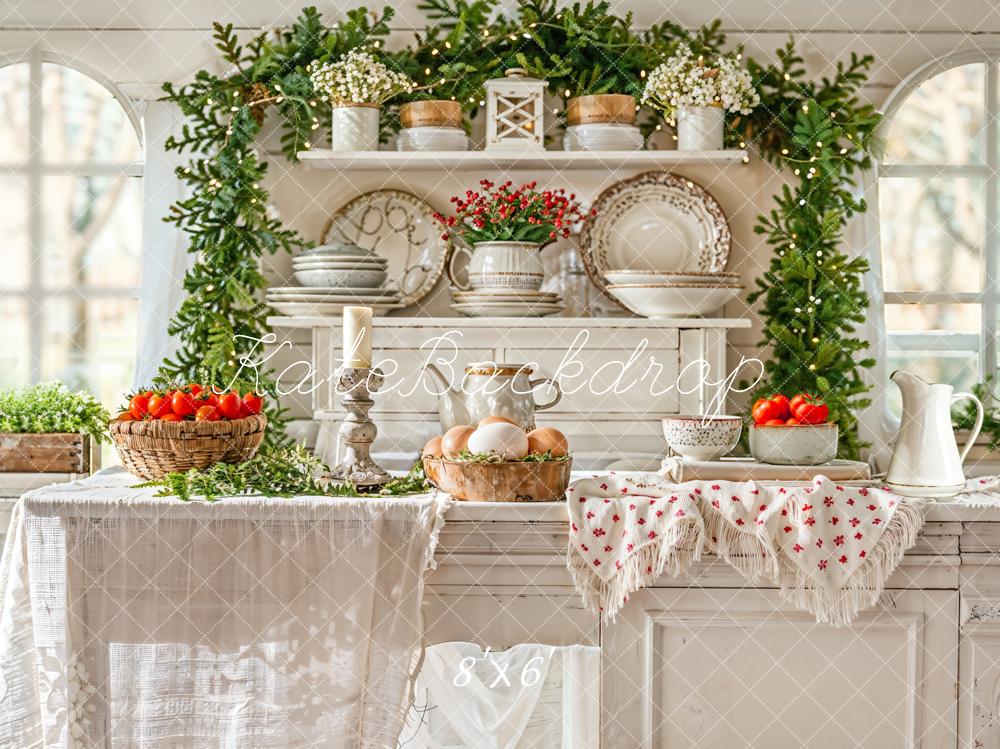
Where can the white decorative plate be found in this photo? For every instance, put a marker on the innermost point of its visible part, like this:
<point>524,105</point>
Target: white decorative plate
<point>311,292</point>
<point>506,310</point>
<point>655,222</point>
<point>399,227</point>
<point>294,309</point>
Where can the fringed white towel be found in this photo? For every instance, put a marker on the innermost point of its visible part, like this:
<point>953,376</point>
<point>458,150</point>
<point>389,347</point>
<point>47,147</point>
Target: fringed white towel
<point>131,621</point>
<point>830,547</point>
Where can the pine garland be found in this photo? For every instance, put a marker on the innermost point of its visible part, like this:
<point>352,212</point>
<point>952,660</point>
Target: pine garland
<point>812,294</point>
<point>230,229</point>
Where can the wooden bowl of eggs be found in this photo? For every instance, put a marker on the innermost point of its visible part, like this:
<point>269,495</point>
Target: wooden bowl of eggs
<point>498,461</point>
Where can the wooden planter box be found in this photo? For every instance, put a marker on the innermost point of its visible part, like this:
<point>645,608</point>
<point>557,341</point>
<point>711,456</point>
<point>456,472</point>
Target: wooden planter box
<point>47,453</point>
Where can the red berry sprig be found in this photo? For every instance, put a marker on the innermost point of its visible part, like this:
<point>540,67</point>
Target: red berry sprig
<point>498,213</point>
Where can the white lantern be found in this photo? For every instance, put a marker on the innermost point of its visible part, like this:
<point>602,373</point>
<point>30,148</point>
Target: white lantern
<point>514,113</point>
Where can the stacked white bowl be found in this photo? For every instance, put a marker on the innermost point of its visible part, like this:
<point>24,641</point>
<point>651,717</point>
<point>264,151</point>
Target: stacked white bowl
<point>432,139</point>
<point>663,294</point>
<point>602,137</point>
<point>338,266</point>
<point>332,276</point>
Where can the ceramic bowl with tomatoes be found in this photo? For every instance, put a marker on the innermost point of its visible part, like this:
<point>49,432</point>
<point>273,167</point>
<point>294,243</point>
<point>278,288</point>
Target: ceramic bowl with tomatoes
<point>792,431</point>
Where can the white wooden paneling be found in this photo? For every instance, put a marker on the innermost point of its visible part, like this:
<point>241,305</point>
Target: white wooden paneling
<point>979,690</point>
<point>740,667</point>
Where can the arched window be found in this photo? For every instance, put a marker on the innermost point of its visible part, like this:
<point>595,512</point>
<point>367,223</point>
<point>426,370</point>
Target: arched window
<point>70,228</point>
<point>938,210</point>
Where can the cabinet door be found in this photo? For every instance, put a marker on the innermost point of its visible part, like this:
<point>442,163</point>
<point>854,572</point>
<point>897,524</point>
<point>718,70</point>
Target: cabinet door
<point>729,668</point>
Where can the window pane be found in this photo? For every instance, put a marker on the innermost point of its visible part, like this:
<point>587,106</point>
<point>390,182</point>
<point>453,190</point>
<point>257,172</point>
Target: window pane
<point>958,369</point>
<point>931,233</point>
<point>91,344</point>
<point>83,120</point>
<point>933,318</point>
<point>14,134</point>
<point>942,122</point>
<point>14,231</point>
<point>14,347</point>
<point>93,231</point>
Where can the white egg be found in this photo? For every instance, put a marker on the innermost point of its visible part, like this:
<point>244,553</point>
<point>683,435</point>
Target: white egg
<point>506,440</point>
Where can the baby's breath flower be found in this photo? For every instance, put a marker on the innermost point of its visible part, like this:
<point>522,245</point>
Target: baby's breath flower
<point>685,80</point>
<point>357,78</point>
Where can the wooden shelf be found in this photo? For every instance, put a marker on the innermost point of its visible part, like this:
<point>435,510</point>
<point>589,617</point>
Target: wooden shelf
<point>415,161</point>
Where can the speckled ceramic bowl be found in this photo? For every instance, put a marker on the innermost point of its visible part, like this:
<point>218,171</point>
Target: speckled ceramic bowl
<point>802,445</point>
<point>702,437</point>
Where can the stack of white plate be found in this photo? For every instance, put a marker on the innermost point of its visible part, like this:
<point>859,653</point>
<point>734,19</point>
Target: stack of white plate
<point>602,137</point>
<point>332,276</point>
<point>506,303</point>
<point>301,301</point>
<point>432,139</point>
<point>340,267</point>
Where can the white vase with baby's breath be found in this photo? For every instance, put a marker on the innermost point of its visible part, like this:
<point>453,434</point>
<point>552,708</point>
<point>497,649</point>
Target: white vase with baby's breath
<point>356,86</point>
<point>694,93</point>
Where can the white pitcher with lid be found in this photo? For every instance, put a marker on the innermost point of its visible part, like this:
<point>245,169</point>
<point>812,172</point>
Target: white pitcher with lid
<point>926,461</point>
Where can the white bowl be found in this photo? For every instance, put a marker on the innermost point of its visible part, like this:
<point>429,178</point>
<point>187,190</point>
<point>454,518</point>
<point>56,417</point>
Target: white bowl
<point>602,137</point>
<point>647,277</point>
<point>702,437</point>
<point>336,248</point>
<point>367,279</point>
<point>664,300</point>
<point>801,445</point>
<point>372,264</point>
<point>432,139</point>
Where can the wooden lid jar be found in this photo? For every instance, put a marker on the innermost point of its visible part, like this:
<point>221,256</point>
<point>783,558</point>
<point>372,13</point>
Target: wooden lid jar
<point>596,109</point>
<point>433,113</point>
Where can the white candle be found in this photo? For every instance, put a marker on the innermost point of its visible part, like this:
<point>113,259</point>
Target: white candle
<point>358,337</point>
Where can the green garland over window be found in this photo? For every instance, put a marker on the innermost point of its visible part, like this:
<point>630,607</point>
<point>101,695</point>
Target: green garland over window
<point>820,132</point>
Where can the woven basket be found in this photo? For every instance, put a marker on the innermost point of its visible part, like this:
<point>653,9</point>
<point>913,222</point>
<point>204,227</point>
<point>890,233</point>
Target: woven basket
<point>152,449</point>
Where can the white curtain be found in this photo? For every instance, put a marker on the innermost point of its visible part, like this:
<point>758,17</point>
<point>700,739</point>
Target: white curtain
<point>165,259</point>
<point>862,239</point>
<point>530,696</point>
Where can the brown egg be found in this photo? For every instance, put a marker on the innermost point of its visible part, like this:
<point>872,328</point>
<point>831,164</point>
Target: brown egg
<point>497,420</point>
<point>547,440</point>
<point>432,449</point>
<point>455,440</point>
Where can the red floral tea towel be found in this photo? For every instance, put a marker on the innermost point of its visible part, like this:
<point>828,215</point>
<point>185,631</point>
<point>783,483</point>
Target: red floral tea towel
<point>830,547</point>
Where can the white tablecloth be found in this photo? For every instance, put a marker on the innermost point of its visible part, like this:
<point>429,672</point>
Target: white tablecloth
<point>132,622</point>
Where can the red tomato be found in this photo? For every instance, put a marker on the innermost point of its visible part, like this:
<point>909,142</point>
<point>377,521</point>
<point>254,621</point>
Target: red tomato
<point>207,413</point>
<point>757,403</point>
<point>792,422</point>
<point>774,423</point>
<point>194,388</point>
<point>253,402</point>
<point>797,401</point>
<point>171,416</point>
<point>207,398</point>
<point>765,411</point>
<point>229,405</point>
<point>244,411</point>
<point>812,411</point>
<point>784,408</point>
<point>182,403</point>
<point>159,404</point>
<point>138,406</point>
<point>125,416</point>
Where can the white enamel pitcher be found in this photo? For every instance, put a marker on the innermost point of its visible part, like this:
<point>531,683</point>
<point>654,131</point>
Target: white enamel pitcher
<point>926,461</point>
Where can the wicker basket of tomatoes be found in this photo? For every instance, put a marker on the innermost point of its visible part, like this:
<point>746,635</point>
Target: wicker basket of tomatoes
<point>167,431</point>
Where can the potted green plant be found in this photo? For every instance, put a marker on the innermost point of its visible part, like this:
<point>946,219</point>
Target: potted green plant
<point>356,85</point>
<point>449,63</point>
<point>47,428</point>
<point>505,228</point>
<point>591,58</point>
<point>695,91</point>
